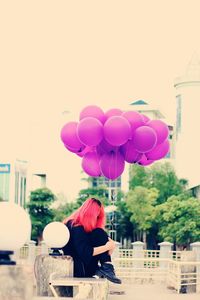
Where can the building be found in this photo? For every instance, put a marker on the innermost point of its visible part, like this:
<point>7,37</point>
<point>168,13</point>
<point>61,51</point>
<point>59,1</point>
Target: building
<point>187,159</point>
<point>13,181</point>
<point>17,180</point>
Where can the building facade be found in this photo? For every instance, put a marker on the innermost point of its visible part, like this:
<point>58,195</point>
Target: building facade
<point>187,159</point>
<point>13,181</point>
<point>17,180</point>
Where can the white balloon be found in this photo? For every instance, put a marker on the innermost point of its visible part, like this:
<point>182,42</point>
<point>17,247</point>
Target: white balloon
<point>56,235</point>
<point>15,226</point>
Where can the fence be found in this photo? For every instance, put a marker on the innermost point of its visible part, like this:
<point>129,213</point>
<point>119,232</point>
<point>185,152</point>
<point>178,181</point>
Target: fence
<point>180,270</point>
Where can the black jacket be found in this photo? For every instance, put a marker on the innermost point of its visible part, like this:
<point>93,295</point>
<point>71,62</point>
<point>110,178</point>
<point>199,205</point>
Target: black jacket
<point>79,247</point>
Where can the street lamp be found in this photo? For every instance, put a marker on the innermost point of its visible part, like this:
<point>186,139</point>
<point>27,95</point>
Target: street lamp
<point>15,230</point>
<point>56,236</point>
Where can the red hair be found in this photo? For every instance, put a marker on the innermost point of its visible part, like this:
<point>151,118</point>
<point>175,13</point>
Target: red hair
<point>90,215</point>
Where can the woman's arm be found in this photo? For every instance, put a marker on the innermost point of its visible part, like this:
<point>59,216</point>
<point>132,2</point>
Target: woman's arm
<point>109,246</point>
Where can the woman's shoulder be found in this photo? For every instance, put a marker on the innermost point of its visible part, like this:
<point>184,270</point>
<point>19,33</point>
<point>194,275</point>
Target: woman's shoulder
<point>74,227</point>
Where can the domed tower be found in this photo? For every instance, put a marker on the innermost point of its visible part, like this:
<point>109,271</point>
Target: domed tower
<point>187,157</point>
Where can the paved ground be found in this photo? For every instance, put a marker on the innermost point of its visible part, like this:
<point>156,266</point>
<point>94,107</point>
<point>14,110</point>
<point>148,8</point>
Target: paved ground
<point>147,292</point>
<point>141,292</point>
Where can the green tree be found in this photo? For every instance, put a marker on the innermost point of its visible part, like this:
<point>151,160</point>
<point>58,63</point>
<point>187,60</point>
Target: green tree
<point>140,203</point>
<point>160,176</point>
<point>125,228</point>
<point>64,210</point>
<point>40,211</point>
<point>163,177</point>
<point>100,193</point>
<point>137,176</point>
<point>179,218</point>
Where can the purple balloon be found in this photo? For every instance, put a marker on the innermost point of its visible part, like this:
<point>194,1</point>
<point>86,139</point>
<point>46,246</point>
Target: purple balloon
<point>117,130</point>
<point>161,129</point>
<point>105,147</point>
<point>70,138</point>
<point>93,111</point>
<point>144,161</point>
<point>73,150</point>
<point>90,131</point>
<point>145,118</point>
<point>86,150</point>
<point>113,112</point>
<point>144,139</point>
<point>131,155</point>
<point>90,164</point>
<point>134,118</point>
<point>159,151</point>
<point>112,165</point>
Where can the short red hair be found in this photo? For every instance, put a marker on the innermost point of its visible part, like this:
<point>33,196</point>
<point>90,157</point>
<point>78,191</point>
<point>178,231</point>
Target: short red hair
<point>90,215</point>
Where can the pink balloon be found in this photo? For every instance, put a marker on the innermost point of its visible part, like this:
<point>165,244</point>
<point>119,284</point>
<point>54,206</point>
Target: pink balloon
<point>113,112</point>
<point>86,150</point>
<point>134,118</point>
<point>159,151</point>
<point>117,130</point>
<point>144,139</point>
<point>93,111</point>
<point>90,164</point>
<point>90,131</point>
<point>144,161</point>
<point>70,138</point>
<point>161,129</point>
<point>131,155</point>
<point>112,165</point>
<point>105,147</point>
<point>73,150</point>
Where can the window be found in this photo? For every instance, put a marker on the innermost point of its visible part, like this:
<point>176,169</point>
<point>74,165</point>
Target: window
<point>4,186</point>
<point>178,114</point>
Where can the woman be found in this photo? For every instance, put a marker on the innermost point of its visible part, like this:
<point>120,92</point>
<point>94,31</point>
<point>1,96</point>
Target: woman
<point>89,244</point>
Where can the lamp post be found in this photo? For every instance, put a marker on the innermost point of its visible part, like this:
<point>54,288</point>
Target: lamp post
<point>15,229</point>
<point>56,236</point>
<point>16,281</point>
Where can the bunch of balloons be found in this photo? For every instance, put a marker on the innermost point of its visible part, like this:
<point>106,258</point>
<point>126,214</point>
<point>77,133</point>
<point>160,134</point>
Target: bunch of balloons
<point>105,141</point>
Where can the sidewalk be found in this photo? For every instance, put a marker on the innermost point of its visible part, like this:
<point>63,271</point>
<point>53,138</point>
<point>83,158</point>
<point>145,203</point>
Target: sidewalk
<point>147,292</point>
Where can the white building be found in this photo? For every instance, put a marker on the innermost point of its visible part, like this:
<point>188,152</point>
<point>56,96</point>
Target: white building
<point>17,180</point>
<point>187,157</point>
<point>13,180</point>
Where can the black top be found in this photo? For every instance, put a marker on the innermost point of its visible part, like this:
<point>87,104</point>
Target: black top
<point>79,247</point>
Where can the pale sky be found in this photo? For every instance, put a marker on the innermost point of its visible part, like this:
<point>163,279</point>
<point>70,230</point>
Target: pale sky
<point>63,55</point>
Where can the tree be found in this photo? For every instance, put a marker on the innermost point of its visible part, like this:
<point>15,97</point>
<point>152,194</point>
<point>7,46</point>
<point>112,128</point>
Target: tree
<point>138,176</point>
<point>160,176</point>
<point>40,211</point>
<point>64,210</point>
<point>179,218</point>
<point>140,203</point>
<point>99,192</point>
<point>125,227</point>
<point>163,177</point>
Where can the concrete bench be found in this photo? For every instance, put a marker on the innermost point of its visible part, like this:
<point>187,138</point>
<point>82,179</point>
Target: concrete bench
<point>54,277</point>
<point>83,288</point>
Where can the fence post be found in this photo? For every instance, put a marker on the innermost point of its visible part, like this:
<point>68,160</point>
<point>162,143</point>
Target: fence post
<point>138,253</point>
<point>116,251</point>
<point>44,248</point>
<point>196,248</point>
<point>165,254</point>
<point>31,251</point>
